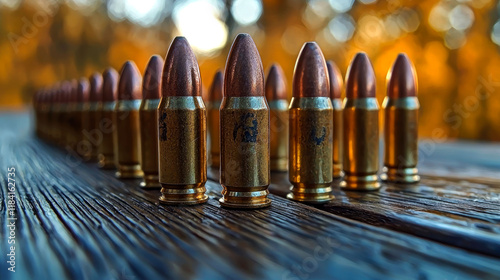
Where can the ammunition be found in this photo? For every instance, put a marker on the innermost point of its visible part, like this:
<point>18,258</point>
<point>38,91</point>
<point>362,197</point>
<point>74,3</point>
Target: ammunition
<point>214,101</point>
<point>105,149</point>
<point>182,129</point>
<point>36,111</point>
<point>148,116</point>
<point>361,132</point>
<point>401,124</point>
<point>336,84</point>
<point>55,114</point>
<point>44,109</point>
<point>311,129</point>
<point>82,92</point>
<point>244,129</point>
<point>278,105</point>
<point>65,113</point>
<point>73,114</point>
<point>91,131</point>
<point>126,142</point>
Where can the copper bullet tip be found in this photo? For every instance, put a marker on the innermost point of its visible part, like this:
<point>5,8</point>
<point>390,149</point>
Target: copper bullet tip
<point>109,85</point>
<point>402,79</point>
<point>95,87</point>
<point>336,81</point>
<point>360,78</point>
<point>244,72</point>
<point>275,84</point>
<point>82,90</point>
<point>152,78</point>
<point>215,93</point>
<point>129,84</point>
<point>310,77</point>
<point>181,74</point>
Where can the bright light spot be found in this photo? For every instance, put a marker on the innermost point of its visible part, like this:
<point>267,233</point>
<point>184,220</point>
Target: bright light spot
<point>320,7</point>
<point>454,39</point>
<point>438,18</point>
<point>341,6</point>
<point>116,10</point>
<point>11,4</point>
<point>367,1</point>
<point>495,33</point>
<point>199,21</point>
<point>342,27</point>
<point>371,28</point>
<point>408,20</point>
<point>246,12</point>
<point>85,7</point>
<point>461,17</point>
<point>144,12</point>
<point>392,27</point>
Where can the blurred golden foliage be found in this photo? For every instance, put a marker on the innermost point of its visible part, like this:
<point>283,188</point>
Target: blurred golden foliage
<point>452,44</point>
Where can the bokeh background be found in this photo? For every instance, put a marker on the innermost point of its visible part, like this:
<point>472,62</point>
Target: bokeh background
<point>454,45</point>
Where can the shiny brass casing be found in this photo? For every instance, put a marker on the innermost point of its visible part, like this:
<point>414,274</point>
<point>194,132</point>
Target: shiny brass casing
<point>337,138</point>
<point>279,134</point>
<point>148,115</point>
<point>361,144</point>
<point>81,144</point>
<point>310,162</point>
<point>401,139</point>
<point>183,150</point>
<point>244,140</point>
<point>105,149</point>
<point>91,129</point>
<point>213,131</point>
<point>127,149</point>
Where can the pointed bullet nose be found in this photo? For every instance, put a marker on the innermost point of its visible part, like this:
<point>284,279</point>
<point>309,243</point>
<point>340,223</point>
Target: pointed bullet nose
<point>95,87</point>
<point>82,90</point>
<point>360,78</point>
<point>336,81</point>
<point>181,74</point>
<point>275,84</point>
<point>215,93</point>
<point>151,83</point>
<point>402,79</point>
<point>109,85</point>
<point>310,77</point>
<point>244,72</point>
<point>129,85</point>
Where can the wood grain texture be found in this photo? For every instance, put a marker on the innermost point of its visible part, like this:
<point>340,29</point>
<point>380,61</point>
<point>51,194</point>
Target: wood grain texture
<point>78,222</point>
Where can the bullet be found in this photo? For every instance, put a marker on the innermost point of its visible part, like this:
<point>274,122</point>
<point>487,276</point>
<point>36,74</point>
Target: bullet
<point>55,114</point>
<point>214,101</point>
<point>311,129</point>
<point>73,134</point>
<point>276,95</point>
<point>401,123</point>
<point>66,113</point>
<point>82,93</point>
<point>336,84</point>
<point>182,121</point>
<point>93,135</point>
<point>244,129</point>
<point>361,132</point>
<point>148,116</point>
<point>106,105</point>
<point>126,136</point>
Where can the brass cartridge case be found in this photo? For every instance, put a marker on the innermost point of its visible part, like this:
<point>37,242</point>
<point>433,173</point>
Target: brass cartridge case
<point>244,140</point>
<point>401,139</point>
<point>183,150</point>
<point>127,150</point>
<point>361,144</point>
<point>213,128</point>
<point>149,142</point>
<point>337,138</point>
<point>105,150</point>
<point>310,162</point>
<point>279,135</point>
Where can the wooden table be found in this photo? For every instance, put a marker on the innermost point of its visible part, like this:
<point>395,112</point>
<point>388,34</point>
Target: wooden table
<point>75,221</point>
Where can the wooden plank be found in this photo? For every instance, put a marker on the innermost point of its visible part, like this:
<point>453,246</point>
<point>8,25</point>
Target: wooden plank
<point>80,223</point>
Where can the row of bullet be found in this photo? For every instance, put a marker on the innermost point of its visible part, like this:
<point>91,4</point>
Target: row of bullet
<point>157,128</point>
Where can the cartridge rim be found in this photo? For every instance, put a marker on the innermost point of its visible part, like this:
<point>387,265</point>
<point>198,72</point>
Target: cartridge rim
<point>360,183</point>
<point>400,175</point>
<point>190,194</point>
<point>311,193</point>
